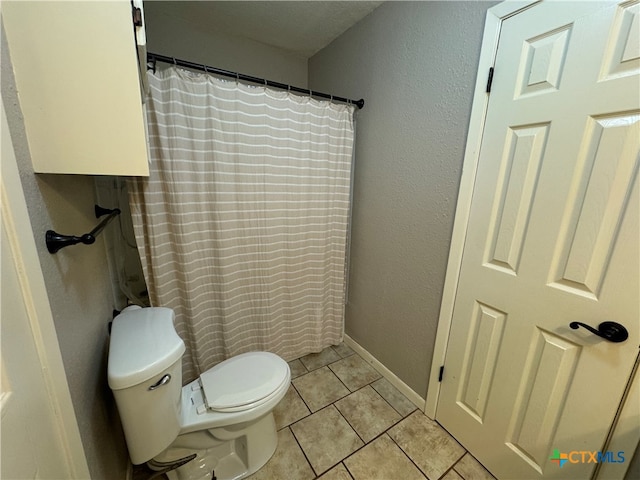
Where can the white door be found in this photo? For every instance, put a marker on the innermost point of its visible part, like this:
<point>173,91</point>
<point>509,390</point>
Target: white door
<point>552,239</point>
<point>39,433</point>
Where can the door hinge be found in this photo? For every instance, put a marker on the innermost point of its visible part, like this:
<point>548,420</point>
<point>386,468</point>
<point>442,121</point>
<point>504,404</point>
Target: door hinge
<point>137,17</point>
<point>490,80</point>
<point>441,373</point>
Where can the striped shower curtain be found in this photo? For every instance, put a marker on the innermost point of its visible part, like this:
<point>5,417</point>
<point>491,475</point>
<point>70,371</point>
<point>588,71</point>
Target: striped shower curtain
<point>242,223</point>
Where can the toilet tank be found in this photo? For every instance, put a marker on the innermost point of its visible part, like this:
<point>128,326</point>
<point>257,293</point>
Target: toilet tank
<point>145,375</point>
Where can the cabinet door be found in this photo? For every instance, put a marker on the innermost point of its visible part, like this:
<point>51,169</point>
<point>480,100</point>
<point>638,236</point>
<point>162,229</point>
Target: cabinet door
<point>78,83</point>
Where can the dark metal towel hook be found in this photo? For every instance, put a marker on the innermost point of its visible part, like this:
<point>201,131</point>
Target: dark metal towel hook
<point>56,241</point>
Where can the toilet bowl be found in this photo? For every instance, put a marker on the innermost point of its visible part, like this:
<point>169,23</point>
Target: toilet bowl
<point>223,419</point>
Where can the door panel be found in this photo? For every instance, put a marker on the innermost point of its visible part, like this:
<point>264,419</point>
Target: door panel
<point>593,214</point>
<point>623,51</point>
<point>552,238</point>
<point>542,395</point>
<point>518,176</point>
<point>483,342</point>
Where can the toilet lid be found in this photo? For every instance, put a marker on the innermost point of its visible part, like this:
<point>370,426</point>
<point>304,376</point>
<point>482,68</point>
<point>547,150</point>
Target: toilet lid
<point>243,380</point>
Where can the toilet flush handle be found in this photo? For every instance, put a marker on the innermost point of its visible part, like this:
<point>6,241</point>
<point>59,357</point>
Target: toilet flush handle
<point>163,381</point>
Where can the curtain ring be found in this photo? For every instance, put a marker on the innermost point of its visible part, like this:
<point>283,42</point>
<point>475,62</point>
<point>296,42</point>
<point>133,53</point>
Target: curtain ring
<point>206,70</point>
<point>174,61</point>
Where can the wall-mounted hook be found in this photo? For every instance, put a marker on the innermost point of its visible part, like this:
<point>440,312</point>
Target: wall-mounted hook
<point>56,241</point>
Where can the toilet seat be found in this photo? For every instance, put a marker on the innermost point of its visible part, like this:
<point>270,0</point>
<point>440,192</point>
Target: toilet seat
<point>244,381</point>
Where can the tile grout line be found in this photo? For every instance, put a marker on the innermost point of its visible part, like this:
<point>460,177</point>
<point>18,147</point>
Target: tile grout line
<point>452,467</point>
<point>305,404</point>
<point>373,440</point>
<point>342,461</point>
<point>360,388</point>
<point>364,443</point>
<point>348,471</point>
<point>386,429</point>
<point>303,452</point>
<point>389,403</point>
<point>328,365</point>
<point>449,469</point>
<point>407,455</point>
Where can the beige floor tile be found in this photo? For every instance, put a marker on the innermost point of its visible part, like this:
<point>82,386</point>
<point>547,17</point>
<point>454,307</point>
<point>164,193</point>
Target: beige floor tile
<point>382,460</point>
<point>452,475</point>
<point>391,394</point>
<point>343,350</point>
<point>326,438</point>
<point>297,369</point>
<point>470,469</point>
<point>288,461</point>
<point>290,409</point>
<point>320,388</point>
<point>367,412</point>
<point>427,444</point>
<point>313,361</point>
<point>354,372</point>
<point>339,472</point>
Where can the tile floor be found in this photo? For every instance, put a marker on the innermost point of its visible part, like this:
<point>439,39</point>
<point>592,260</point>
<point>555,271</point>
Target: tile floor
<point>340,420</point>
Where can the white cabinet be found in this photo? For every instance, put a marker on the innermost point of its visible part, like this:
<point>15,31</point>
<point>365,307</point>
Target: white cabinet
<point>78,82</point>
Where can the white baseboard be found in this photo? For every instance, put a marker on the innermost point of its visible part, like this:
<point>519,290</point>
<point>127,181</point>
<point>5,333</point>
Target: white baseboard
<point>391,377</point>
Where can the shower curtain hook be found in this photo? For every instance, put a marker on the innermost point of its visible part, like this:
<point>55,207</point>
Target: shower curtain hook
<point>175,62</point>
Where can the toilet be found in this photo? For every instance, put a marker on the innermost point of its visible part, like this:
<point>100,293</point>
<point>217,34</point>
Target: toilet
<point>219,426</point>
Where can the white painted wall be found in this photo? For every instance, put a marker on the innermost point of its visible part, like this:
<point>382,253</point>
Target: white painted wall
<point>415,65</point>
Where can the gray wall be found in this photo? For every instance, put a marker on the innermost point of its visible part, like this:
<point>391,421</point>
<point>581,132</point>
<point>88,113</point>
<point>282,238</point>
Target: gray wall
<point>170,35</point>
<point>415,65</point>
<point>79,290</point>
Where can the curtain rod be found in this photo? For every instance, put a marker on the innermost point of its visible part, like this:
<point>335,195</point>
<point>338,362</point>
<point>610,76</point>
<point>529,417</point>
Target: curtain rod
<point>152,58</point>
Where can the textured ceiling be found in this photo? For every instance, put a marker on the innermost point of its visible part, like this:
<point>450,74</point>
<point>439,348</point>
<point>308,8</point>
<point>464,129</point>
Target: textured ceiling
<point>300,27</point>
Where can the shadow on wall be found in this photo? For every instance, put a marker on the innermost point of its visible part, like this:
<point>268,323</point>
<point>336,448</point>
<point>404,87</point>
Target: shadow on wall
<point>127,276</point>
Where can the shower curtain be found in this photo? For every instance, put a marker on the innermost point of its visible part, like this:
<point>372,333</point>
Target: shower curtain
<point>242,224</point>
